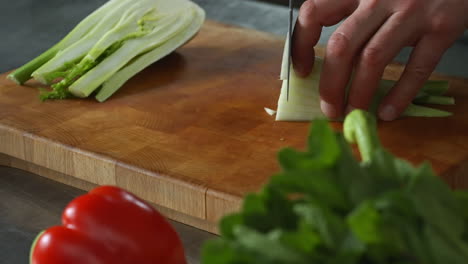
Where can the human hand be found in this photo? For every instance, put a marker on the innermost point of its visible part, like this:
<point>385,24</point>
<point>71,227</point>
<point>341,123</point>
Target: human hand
<point>370,37</point>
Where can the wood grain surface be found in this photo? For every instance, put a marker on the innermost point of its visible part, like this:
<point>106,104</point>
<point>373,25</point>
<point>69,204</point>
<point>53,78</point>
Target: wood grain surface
<point>189,133</point>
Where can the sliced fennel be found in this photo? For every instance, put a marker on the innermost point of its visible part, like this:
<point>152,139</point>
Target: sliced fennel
<point>68,55</point>
<point>139,63</point>
<point>269,111</point>
<point>116,45</point>
<point>304,98</point>
<point>169,27</point>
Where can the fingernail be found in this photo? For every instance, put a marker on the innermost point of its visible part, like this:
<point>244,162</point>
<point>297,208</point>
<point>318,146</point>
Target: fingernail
<point>300,71</point>
<point>328,109</point>
<point>388,113</point>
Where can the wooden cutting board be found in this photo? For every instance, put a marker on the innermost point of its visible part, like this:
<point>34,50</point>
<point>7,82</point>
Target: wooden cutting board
<point>189,133</point>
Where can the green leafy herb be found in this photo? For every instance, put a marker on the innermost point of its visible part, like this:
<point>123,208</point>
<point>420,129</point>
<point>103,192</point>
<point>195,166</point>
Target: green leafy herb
<point>326,206</point>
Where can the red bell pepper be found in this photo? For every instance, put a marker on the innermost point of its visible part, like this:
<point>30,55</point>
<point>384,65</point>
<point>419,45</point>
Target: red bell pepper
<point>109,225</point>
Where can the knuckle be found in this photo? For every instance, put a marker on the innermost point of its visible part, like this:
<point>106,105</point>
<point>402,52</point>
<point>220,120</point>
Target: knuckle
<point>372,57</point>
<point>400,18</point>
<point>338,46</point>
<point>412,6</point>
<point>307,12</point>
<point>308,9</point>
<point>372,4</point>
<point>441,24</point>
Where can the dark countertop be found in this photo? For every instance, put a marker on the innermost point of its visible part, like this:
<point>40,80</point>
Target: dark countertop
<point>30,203</point>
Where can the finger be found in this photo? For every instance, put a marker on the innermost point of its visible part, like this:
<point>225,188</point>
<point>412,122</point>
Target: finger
<point>395,34</point>
<point>313,15</point>
<point>342,48</point>
<point>422,62</point>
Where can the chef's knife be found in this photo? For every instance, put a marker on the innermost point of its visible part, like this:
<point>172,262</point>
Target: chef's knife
<point>289,46</point>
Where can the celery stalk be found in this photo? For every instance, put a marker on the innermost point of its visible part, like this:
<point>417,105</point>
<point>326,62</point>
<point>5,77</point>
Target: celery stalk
<point>23,74</point>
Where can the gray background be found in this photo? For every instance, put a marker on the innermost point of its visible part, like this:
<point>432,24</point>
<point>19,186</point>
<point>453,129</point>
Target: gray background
<point>28,27</point>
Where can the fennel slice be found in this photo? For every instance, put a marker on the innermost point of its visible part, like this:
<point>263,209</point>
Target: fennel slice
<point>304,97</point>
<point>74,51</point>
<point>269,111</point>
<point>114,83</point>
<point>163,32</point>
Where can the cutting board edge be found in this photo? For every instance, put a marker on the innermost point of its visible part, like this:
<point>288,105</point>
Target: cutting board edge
<point>220,204</point>
<point>101,170</point>
<point>174,215</point>
<point>184,197</point>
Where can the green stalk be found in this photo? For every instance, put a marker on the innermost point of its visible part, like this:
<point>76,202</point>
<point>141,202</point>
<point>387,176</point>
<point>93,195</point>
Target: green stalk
<point>360,127</point>
<point>430,87</point>
<point>24,73</point>
<point>164,31</point>
<point>125,29</point>
<point>119,78</point>
<point>436,87</point>
<point>435,99</point>
<point>73,52</point>
<point>60,89</point>
<point>423,111</point>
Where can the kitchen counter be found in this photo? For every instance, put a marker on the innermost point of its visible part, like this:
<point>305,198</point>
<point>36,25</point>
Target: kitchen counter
<point>30,203</point>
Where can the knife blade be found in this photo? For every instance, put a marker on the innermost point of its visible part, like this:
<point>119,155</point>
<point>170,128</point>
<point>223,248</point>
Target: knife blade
<point>289,46</point>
